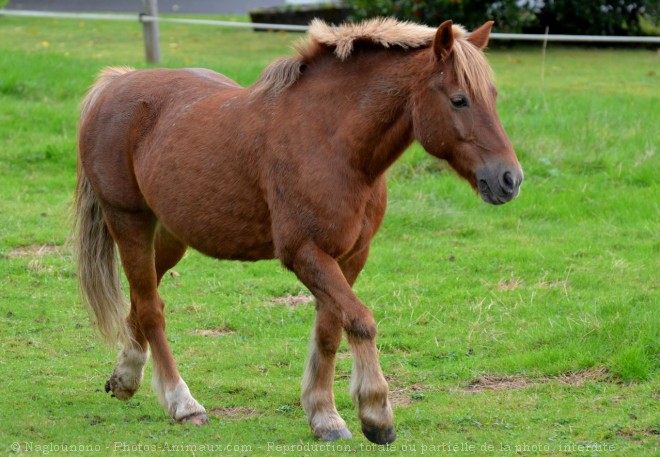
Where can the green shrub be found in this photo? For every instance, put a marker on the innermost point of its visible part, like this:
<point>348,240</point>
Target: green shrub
<point>471,13</point>
<point>595,17</point>
<point>580,17</point>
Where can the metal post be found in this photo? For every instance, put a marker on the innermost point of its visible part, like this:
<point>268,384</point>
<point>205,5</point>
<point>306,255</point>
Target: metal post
<point>151,34</point>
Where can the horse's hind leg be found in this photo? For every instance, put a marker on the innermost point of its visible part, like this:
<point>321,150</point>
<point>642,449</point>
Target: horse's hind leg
<point>135,235</point>
<point>129,371</point>
<point>317,397</point>
<point>127,376</point>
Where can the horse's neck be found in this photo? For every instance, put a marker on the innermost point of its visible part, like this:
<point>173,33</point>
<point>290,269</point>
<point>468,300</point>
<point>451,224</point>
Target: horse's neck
<point>382,136</point>
<point>367,100</point>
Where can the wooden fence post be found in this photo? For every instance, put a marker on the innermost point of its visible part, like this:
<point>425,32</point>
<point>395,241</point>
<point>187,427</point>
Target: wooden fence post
<point>151,34</point>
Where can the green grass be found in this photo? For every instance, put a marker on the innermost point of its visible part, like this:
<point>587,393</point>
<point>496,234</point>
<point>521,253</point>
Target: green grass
<point>556,293</point>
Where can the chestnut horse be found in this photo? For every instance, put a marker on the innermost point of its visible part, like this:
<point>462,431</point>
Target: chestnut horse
<point>291,168</point>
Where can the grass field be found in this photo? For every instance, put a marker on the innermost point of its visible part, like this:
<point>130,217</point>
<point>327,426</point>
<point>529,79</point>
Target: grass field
<point>527,329</point>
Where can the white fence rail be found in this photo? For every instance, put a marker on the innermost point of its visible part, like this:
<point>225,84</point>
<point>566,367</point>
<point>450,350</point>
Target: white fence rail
<point>147,19</point>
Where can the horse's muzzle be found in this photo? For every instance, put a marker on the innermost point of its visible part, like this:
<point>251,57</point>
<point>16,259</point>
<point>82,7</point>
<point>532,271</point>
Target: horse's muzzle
<point>499,185</point>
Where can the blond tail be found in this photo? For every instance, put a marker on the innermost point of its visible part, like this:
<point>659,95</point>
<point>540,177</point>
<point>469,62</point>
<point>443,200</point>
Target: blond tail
<point>99,276</point>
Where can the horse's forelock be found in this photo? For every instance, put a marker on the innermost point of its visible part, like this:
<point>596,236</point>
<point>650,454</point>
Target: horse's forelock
<point>472,70</point>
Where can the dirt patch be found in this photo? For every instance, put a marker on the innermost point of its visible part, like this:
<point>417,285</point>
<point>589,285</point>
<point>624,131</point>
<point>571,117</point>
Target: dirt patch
<point>638,436</point>
<point>552,284</point>
<point>400,398</point>
<point>508,284</point>
<point>292,301</point>
<point>485,383</point>
<point>408,396</point>
<point>213,332</point>
<point>233,412</point>
<point>497,383</point>
<point>579,378</point>
<point>33,250</point>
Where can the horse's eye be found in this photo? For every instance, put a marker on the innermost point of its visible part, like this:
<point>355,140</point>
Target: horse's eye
<point>460,101</point>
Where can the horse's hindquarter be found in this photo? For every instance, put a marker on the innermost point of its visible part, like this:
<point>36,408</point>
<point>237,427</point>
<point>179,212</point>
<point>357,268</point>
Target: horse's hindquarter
<point>194,166</point>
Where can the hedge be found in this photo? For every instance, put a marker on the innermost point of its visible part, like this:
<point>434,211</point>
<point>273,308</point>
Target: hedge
<point>580,17</point>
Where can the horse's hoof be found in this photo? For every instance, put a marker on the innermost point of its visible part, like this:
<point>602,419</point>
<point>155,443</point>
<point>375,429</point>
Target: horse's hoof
<point>122,394</point>
<point>379,435</point>
<point>334,435</point>
<point>195,419</point>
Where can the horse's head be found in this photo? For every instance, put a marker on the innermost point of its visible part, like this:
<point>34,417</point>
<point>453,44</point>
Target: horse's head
<point>455,119</point>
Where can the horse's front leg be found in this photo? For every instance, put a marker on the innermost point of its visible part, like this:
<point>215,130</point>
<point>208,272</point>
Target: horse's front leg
<point>369,390</point>
<point>339,307</point>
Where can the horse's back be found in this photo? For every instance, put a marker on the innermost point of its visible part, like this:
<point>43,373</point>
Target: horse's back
<point>212,76</point>
<point>163,88</point>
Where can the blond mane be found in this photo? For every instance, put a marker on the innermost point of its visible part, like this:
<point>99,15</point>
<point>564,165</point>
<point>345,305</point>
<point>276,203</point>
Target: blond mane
<point>471,67</point>
<point>386,32</point>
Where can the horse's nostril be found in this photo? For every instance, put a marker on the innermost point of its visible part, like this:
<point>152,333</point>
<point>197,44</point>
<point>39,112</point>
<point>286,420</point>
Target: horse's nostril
<point>508,179</point>
<point>508,182</point>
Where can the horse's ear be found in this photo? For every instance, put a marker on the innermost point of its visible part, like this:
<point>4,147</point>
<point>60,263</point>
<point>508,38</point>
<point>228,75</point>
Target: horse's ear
<point>479,37</point>
<point>444,40</point>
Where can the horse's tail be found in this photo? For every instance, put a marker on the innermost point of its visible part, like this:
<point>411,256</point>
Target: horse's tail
<point>99,276</point>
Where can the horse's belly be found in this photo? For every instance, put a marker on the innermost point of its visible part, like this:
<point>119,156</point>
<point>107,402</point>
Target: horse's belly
<point>219,214</point>
<point>204,191</point>
<point>240,247</point>
<point>225,234</point>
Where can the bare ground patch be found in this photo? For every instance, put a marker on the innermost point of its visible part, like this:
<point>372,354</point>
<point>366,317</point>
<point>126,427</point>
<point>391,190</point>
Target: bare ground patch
<point>399,398</point>
<point>406,397</point>
<point>292,301</point>
<point>488,382</point>
<point>33,250</point>
<point>509,284</point>
<point>639,436</point>
<point>497,383</point>
<point>213,332</point>
<point>233,412</point>
<point>579,378</point>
